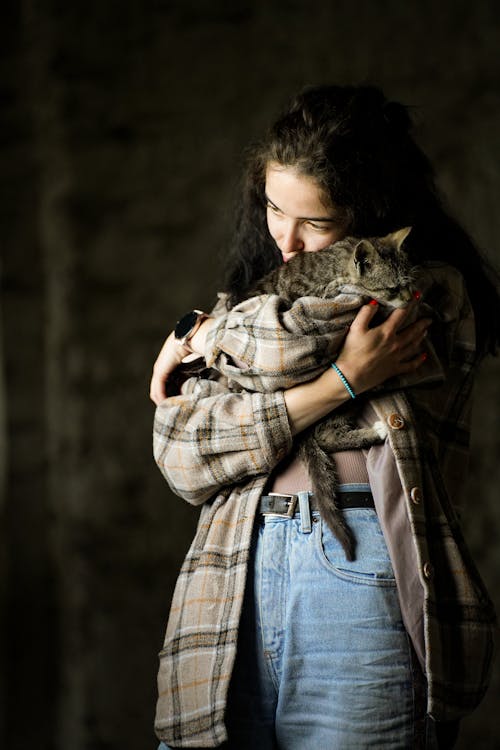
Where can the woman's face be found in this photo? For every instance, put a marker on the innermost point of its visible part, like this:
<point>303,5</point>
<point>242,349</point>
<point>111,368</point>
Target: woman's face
<point>297,217</point>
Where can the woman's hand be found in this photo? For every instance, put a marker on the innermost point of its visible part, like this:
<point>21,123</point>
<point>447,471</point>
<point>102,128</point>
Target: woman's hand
<point>369,356</point>
<point>172,354</point>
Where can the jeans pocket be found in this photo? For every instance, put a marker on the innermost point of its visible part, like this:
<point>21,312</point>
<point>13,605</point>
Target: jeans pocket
<point>372,565</point>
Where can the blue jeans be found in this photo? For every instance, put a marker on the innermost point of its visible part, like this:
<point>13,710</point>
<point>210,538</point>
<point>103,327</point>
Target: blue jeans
<point>323,660</point>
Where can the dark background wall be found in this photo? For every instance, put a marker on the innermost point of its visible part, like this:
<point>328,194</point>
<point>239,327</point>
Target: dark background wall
<point>122,129</point>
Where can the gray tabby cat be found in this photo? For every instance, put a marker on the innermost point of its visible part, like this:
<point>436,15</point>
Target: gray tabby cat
<point>380,269</point>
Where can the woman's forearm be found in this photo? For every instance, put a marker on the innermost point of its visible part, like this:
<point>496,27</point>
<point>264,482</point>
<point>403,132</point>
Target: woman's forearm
<point>197,343</point>
<point>308,402</point>
<point>368,358</point>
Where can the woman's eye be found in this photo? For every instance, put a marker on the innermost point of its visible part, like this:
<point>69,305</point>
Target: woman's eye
<point>319,227</point>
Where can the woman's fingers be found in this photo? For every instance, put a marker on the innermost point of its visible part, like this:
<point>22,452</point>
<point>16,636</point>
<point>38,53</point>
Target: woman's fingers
<point>409,344</point>
<point>393,328</point>
<point>157,388</point>
<point>397,318</point>
<point>365,315</point>
<point>413,335</point>
<point>411,364</point>
<point>373,353</point>
<point>170,356</point>
<point>391,325</point>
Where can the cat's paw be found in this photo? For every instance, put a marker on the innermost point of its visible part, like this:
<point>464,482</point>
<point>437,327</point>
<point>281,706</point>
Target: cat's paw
<point>381,429</point>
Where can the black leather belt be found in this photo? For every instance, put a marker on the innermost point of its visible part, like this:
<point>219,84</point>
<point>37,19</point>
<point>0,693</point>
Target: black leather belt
<point>287,505</point>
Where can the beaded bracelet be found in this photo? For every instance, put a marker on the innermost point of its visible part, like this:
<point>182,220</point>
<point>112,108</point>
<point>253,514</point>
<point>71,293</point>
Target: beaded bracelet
<point>344,380</point>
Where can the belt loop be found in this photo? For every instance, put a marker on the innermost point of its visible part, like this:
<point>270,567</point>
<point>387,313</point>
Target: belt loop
<point>305,512</point>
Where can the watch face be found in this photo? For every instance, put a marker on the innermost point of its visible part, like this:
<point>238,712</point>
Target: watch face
<point>185,324</point>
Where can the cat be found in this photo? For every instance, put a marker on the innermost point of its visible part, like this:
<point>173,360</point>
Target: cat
<point>376,267</point>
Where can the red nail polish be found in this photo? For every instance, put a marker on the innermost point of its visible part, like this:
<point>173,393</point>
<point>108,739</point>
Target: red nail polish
<point>424,356</point>
<point>373,302</point>
<point>417,295</point>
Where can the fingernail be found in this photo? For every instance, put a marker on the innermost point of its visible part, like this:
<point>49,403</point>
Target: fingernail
<point>423,356</point>
<point>373,302</point>
<point>417,295</point>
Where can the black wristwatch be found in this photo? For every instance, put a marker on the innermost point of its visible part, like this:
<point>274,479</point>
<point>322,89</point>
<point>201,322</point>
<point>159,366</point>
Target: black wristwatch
<point>186,327</point>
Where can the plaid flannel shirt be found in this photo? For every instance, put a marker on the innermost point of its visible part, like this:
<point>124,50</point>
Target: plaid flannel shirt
<point>217,442</point>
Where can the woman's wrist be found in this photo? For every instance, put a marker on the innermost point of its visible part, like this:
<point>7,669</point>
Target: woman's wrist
<point>352,374</point>
<point>308,402</point>
<point>347,385</point>
<point>197,342</point>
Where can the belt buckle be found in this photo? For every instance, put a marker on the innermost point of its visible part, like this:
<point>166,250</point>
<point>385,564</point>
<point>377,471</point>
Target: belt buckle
<point>293,500</point>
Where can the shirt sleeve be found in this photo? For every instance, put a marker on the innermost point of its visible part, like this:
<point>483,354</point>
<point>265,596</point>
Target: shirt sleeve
<point>207,438</point>
<point>266,345</point>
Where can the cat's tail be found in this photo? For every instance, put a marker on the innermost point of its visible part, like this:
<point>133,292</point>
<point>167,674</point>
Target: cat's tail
<point>324,482</point>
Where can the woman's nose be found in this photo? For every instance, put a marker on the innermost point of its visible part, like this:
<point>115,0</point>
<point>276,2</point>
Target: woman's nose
<point>291,241</point>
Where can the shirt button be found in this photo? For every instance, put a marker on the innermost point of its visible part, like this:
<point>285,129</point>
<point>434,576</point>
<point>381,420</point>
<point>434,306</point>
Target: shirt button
<point>395,421</point>
<point>428,570</point>
<point>416,495</point>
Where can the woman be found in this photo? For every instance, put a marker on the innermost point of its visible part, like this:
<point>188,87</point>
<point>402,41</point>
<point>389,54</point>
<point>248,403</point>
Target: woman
<point>274,639</point>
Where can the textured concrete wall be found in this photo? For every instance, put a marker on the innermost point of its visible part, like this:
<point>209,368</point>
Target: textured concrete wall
<point>122,127</point>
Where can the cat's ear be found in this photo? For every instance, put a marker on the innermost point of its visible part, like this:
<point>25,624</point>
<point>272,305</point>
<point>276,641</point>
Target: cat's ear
<point>397,238</point>
<point>362,255</point>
